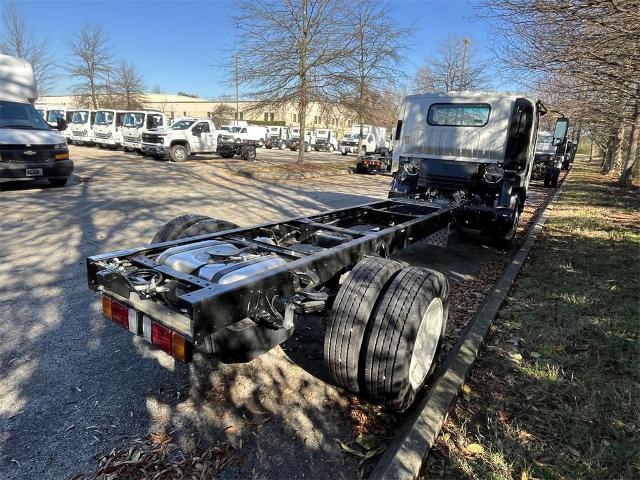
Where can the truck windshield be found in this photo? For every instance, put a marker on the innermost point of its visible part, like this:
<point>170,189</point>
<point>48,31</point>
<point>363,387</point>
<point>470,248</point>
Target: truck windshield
<point>80,116</point>
<point>21,115</point>
<point>234,129</point>
<point>54,115</point>
<point>458,114</point>
<point>133,120</point>
<point>182,124</point>
<point>104,118</point>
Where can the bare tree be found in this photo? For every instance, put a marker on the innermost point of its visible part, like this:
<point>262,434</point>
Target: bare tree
<point>156,89</point>
<point>453,67</point>
<point>589,53</point>
<point>92,62</point>
<point>129,85</point>
<point>222,114</point>
<point>376,52</point>
<point>287,52</point>
<point>18,40</point>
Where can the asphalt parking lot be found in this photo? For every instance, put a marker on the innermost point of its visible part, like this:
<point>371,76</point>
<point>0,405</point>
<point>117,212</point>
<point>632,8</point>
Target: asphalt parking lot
<point>73,386</point>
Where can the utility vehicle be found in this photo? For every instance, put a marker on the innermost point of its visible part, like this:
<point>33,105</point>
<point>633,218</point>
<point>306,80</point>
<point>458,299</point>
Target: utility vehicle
<point>473,145</point>
<point>82,124</point>
<point>326,140</point>
<point>187,136</point>
<point>211,286</point>
<point>29,148</point>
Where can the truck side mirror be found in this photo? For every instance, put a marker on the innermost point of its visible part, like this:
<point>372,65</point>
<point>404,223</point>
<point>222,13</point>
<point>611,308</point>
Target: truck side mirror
<point>62,124</point>
<point>560,131</point>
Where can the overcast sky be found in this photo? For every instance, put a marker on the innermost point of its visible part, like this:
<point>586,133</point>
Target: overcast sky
<point>177,44</point>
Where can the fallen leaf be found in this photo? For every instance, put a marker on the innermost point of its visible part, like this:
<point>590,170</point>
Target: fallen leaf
<point>466,389</point>
<point>475,448</point>
<point>348,449</point>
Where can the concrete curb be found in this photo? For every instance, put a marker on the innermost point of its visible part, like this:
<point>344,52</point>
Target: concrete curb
<point>405,454</point>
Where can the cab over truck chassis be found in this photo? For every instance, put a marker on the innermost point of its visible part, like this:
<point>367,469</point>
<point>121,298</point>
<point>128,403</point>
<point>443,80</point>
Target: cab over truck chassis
<point>235,293</point>
<point>208,285</point>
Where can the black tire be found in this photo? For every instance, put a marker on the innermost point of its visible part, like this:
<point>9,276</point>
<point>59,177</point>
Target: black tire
<point>347,324</point>
<point>248,153</point>
<point>506,240</point>
<point>282,146</point>
<point>172,230</point>
<point>209,225</point>
<point>331,148</point>
<point>396,364</point>
<point>227,154</point>
<point>344,153</point>
<point>179,153</point>
<point>555,177</point>
<point>58,182</point>
<point>548,172</point>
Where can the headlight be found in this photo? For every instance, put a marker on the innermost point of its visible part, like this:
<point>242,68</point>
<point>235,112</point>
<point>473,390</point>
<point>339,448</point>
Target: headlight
<point>493,173</point>
<point>60,146</point>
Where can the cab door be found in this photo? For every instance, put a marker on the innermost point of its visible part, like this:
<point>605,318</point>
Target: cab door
<point>207,140</point>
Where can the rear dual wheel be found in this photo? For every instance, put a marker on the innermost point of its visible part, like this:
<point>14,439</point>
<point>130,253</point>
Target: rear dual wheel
<point>385,329</point>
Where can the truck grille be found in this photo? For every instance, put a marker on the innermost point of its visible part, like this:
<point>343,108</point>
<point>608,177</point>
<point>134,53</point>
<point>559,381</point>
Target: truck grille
<point>349,144</point>
<point>23,154</point>
<point>130,139</point>
<point>102,135</point>
<point>150,138</point>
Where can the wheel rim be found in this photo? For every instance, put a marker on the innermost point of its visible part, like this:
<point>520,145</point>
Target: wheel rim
<point>180,154</point>
<point>425,345</point>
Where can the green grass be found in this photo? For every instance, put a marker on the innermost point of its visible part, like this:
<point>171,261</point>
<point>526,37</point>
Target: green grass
<point>555,393</point>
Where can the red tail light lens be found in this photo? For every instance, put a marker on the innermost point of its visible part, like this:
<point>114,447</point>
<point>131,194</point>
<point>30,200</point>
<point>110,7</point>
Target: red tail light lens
<point>120,314</point>
<point>161,337</point>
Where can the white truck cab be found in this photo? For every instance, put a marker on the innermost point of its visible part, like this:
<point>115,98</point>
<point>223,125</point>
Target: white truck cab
<point>82,127</point>
<point>186,136</point>
<point>29,148</point>
<point>309,140</point>
<point>326,140</point>
<point>137,122</point>
<point>278,137</point>
<point>107,129</point>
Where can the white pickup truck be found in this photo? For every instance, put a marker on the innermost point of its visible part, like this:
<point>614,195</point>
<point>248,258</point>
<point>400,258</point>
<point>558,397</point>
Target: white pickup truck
<point>374,140</point>
<point>137,122</point>
<point>107,128</point>
<point>187,136</point>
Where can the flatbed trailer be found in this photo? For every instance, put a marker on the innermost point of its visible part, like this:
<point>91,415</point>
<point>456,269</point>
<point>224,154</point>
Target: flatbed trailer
<point>149,291</point>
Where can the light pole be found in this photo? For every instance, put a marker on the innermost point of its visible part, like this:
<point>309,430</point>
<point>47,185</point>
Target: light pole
<point>464,61</point>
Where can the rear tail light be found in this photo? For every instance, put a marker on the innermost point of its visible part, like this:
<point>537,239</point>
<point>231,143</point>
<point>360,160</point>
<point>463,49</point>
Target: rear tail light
<point>180,348</point>
<point>153,332</point>
<point>161,337</point>
<point>106,306</point>
<point>120,314</point>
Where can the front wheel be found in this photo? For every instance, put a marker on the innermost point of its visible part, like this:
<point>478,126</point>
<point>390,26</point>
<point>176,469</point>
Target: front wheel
<point>179,153</point>
<point>331,148</point>
<point>307,147</point>
<point>248,153</point>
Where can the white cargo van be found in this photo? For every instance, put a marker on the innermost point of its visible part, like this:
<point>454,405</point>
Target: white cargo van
<point>29,148</point>
<point>82,127</point>
<point>137,122</point>
<point>107,128</point>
